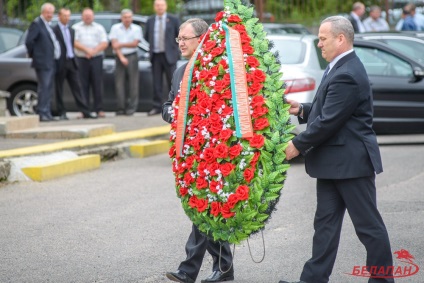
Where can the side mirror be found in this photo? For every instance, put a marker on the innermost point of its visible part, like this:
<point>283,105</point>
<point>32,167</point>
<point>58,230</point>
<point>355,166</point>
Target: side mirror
<point>418,75</point>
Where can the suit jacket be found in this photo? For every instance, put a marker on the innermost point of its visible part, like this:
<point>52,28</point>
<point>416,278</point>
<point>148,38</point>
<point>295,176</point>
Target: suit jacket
<point>339,142</point>
<point>39,45</point>
<point>175,86</point>
<point>172,52</point>
<point>59,36</point>
<point>354,23</point>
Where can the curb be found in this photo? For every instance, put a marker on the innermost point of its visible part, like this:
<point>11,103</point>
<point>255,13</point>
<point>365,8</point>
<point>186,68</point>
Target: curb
<point>91,151</point>
<point>62,168</point>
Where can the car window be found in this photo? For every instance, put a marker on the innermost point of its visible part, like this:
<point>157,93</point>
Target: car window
<point>381,63</point>
<point>322,63</point>
<point>9,39</point>
<point>411,48</point>
<point>290,51</point>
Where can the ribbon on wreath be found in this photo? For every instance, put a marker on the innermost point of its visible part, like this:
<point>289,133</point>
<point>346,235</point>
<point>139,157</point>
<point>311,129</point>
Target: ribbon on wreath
<point>238,84</point>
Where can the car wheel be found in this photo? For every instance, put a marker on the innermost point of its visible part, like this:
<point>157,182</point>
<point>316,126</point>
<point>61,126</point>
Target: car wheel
<point>23,100</point>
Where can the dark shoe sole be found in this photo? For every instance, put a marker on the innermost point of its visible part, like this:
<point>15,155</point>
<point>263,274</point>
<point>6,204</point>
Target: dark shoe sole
<point>230,278</point>
<point>173,278</point>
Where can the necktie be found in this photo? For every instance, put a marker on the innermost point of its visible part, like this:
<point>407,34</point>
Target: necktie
<point>67,37</point>
<point>161,43</point>
<point>326,72</point>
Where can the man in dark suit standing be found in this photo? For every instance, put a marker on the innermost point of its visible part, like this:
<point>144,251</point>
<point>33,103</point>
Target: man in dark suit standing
<point>341,151</point>
<point>197,243</point>
<point>355,17</point>
<point>160,31</point>
<point>67,67</point>
<point>43,48</point>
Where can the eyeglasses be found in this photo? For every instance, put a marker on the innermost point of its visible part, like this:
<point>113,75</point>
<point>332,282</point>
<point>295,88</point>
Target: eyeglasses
<point>183,39</point>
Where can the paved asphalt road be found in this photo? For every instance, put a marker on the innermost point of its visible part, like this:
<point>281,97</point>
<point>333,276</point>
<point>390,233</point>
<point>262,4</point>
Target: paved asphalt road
<point>123,223</point>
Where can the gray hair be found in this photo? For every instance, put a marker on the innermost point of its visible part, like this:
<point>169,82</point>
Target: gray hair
<point>357,6</point>
<point>126,11</point>
<point>46,5</point>
<point>341,25</point>
<point>199,26</point>
<point>375,8</point>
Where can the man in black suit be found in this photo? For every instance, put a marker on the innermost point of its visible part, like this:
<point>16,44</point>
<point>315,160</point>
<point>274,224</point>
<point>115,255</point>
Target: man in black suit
<point>67,67</point>
<point>197,243</point>
<point>355,17</point>
<point>43,48</point>
<point>160,31</point>
<point>341,151</point>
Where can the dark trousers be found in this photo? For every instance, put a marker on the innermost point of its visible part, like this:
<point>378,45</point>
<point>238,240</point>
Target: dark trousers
<point>69,72</point>
<point>45,78</point>
<point>196,246</point>
<point>91,74</point>
<point>358,196</point>
<point>124,74</point>
<point>159,67</point>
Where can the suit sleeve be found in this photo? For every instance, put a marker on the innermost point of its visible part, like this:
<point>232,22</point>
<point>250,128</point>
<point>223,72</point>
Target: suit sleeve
<point>146,30</point>
<point>32,35</point>
<point>175,85</point>
<point>341,101</point>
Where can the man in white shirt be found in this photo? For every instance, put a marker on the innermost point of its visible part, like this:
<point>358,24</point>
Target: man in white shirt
<point>375,22</point>
<point>125,37</point>
<point>90,43</point>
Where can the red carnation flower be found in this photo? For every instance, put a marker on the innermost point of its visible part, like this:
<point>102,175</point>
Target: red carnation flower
<point>259,76</point>
<point>226,211</point>
<point>248,174</point>
<point>235,151</point>
<point>209,45</point>
<point>234,19</point>
<point>247,49</point>
<point>202,204</point>
<point>232,200</point>
<point>201,183</point>
<point>257,101</point>
<point>213,186</point>
<point>257,141</point>
<point>259,111</point>
<point>219,16</point>
<point>188,179</point>
<point>192,202</point>
<point>260,124</point>
<point>221,151</point>
<point>242,192</point>
<point>183,191</point>
<point>208,156</point>
<point>225,135</point>
<point>217,51</point>
<point>212,168</point>
<point>252,62</point>
<point>226,168</point>
<point>215,208</point>
<point>255,88</point>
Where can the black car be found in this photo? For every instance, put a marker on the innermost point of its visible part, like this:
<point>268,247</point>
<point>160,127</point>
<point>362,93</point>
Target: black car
<point>282,28</point>
<point>397,82</point>
<point>17,77</point>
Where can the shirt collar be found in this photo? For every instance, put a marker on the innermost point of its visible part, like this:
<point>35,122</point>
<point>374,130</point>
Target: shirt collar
<point>335,60</point>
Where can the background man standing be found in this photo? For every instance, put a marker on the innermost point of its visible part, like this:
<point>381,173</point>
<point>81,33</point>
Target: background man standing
<point>125,37</point>
<point>90,43</point>
<point>160,31</point>
<point>355,17</point>
<point>375,22</point>
<point>67,67</point>
<point>341,151</point>
<point>197,243</point>
<point>43,48</point>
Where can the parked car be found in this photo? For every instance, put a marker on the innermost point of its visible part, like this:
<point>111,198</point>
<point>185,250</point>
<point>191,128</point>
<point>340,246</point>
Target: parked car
<point>9,38</point>
<point>407,43</point>
<point>280,28</point>
<point>17,77</point>
<point>397,81</point>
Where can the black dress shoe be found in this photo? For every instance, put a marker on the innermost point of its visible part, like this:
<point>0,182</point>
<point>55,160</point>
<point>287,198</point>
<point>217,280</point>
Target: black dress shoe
<point>218,276</point>
<point>46,118</point>
<point>281,281</point>
<point>89,115</point>
<point>179,276</point>
<point>154,111</point>
<point>63,117</point>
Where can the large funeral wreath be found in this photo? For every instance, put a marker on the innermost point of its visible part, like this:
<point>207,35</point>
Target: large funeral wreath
<point>229,182</point>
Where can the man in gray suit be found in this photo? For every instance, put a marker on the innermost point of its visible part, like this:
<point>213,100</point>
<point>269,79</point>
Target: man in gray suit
<point>341,151</point>
<point>160,31</point>
<point>197,243</point>
<point>43,48</point>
